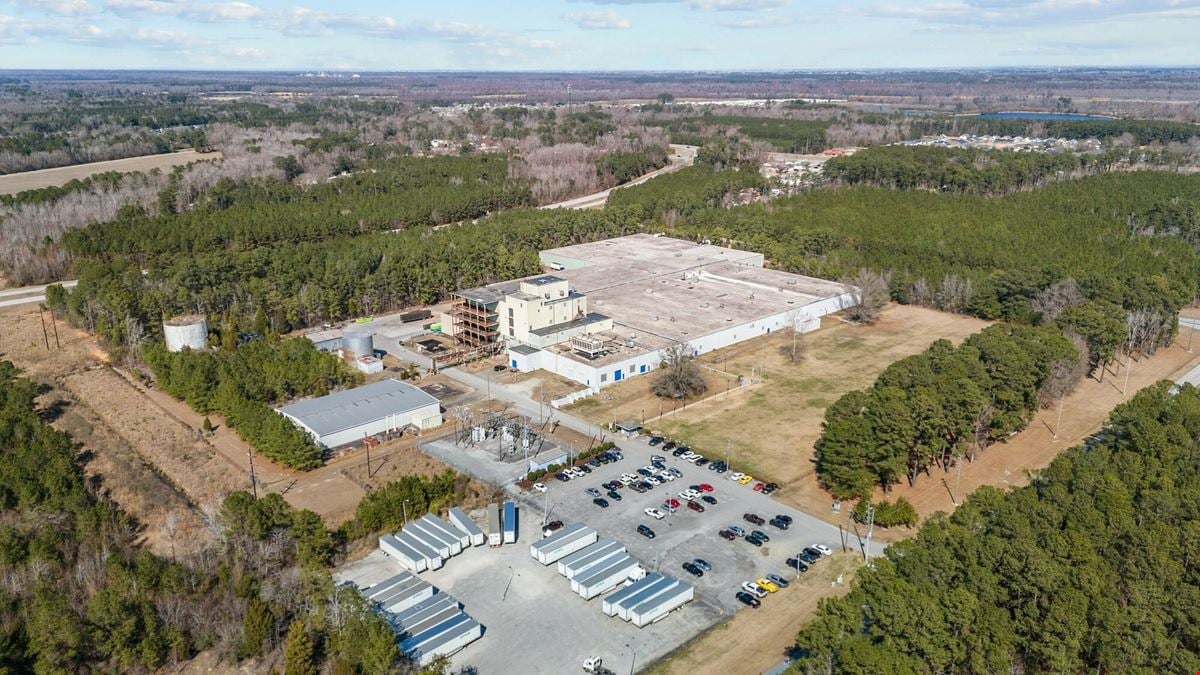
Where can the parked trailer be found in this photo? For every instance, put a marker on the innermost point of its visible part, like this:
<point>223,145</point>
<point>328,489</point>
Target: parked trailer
<point>433,559</point>
<point>386,586</point>
<point>626,606</point>
<point>575,563</point>
<point>404,620</point>
<point>425,633</point>
<point>405,595</point>
<point>430,622</point>
<point>449,545</point>
<point>464,523</point>
<point>430,539</point>
<point>609,605</point>
<point>409,557</point>
<point>562,543</point>
<point>662,605</point>
<point>447,643</point>
<point>464,541</point>
<point>601,579</point>
<point>495,534</point>
<point>510,521</point>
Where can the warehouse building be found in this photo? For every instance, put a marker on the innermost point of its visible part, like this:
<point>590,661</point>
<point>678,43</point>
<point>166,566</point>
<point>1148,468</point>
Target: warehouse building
<point>349,416</point>
<point>612,308</point>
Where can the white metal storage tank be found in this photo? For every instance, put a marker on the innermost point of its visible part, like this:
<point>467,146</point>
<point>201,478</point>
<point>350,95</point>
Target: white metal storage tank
<point>185,332</point>
<point>357,344</point>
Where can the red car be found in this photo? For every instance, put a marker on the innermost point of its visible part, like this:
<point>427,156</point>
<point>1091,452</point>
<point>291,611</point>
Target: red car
<point>695,506</point>
<point>759,486</point>
<point>673,503</point>
<point>727,535</point>
<point>705,487</point>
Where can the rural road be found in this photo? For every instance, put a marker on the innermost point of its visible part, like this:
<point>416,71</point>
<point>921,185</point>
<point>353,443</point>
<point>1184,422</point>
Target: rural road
<point>681,156</point>
<point>27,295</point>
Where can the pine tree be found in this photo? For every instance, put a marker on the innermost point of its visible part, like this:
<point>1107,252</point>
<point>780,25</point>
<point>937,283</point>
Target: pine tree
<point>299,656</point>
<point>255,627</point>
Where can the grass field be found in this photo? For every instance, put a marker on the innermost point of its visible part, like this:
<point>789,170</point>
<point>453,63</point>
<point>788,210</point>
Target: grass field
<point>31,180</point>
<point>769,427</point>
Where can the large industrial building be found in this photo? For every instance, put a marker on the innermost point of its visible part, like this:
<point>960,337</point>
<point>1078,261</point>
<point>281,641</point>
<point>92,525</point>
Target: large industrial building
<point>612,308</point>
<point>349,416</point>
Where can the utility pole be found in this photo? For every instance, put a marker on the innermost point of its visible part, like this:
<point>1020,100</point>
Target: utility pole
<point>1061,400</point>
<point>54,325</point>
<point>42,316</point>
<point>253,478</point>
<point>368,444</point>
<point>870,530</point>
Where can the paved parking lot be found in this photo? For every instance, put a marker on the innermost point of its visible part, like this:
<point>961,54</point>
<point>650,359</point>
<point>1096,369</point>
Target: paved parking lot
<point>532,621</point>
<point>686,534</point>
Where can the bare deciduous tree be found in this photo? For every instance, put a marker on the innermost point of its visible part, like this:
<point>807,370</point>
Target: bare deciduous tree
<point>1145,330</point>
<point>869,292</point>
<point>678,375</point>
<point>1052,300</point>
<point>954,294</point>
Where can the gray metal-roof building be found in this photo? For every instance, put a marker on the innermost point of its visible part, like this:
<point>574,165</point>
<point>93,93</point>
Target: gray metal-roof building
<point>349,416</point>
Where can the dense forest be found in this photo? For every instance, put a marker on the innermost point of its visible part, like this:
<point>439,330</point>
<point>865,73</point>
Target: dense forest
<point>242,381</point>
<point>1094,567</point>
<point>941,406</point>
<point>1141,132</point>
<point>959,169</point>
<point>685,191</point>
<point>782,133</point>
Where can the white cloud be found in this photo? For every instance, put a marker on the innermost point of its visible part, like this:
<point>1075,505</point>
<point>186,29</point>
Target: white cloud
<point>704,5</point>
<point>61,7</point>
<point>601,20</point>
<point>1029,13</point>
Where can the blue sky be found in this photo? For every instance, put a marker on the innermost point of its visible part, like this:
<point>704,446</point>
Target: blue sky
<point>596,34</point>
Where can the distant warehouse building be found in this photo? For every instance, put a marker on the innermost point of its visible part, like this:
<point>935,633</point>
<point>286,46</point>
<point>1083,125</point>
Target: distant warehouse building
<point>348,416</point>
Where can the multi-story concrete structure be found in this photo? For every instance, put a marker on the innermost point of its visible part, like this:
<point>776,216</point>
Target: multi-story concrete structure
<point>612,308</point>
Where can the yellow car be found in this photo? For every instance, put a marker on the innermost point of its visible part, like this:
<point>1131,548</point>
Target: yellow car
<point>744,480</point>
<point>768,586</point>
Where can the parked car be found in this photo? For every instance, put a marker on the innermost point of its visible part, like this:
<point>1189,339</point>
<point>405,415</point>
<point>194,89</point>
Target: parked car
<point>646,471</point>
<point>688,495</point>
<point>673,503</point>
<point>703,564</point>
<point>593,492</point>
<point>539,487</point>
<point>754,589</point>
<point>499,368</point>
<point>657,458</point>
<point>637,487</point>
<point>736,475</point>
<point>656,440</point>
<point>695,506</point>
<point>654,480</point>
<point>688,455</point>
<point>777,580</point>
<point>700,461</point>
<point>737,531</point>
<point>594,462</point>
<point>678,451</point>
<point>727,535</point>
<point>654,513</point>
<point>759,534</point>
<point>744,480</point>
<point>786,519</point>
<point>769,488</point>
<point>675,472</point>
<point>669,445</point>
<point>766,585</point>
<point>825,550</point>
<point>601,502</point>
<point>645,531</point>
<point>562,476</point>
<point>629,477</point>
<point>809,557</point>
<point>759,486</point>
<point>776,522</point>
<point>747,599</point>
<point>658,466</point>
<point>796,564</point>
<point>617,455</point>
<point>645,486</point>
<point>705,487</point>
<point>668,508</point>
<point>616,485</point>
<point>753,541</point>
<point>692,569</point>
<point>753,518</point>
<point>584,468</point>
<point>665,476</point>
<point>708,499</point>
<point>551,527</point>
<point>614,495</point>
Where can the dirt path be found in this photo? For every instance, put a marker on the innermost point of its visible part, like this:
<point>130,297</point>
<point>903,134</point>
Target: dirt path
<point>31,180</point>
<point>756,640</point>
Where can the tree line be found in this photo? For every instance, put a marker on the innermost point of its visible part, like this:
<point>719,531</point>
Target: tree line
<point>785,134</point>
<point>941,406</point>
<point>685,191</point>
<point>1093,567</point>
<point>241,382</point>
